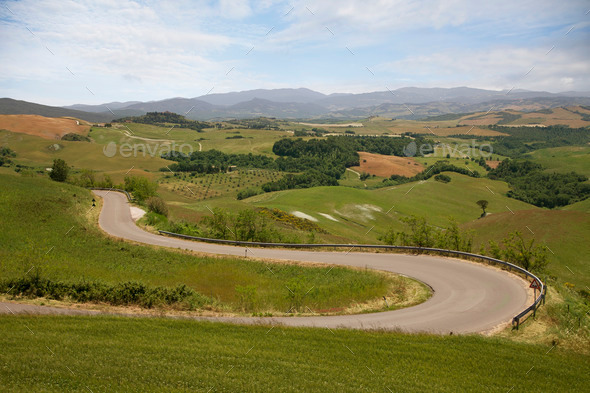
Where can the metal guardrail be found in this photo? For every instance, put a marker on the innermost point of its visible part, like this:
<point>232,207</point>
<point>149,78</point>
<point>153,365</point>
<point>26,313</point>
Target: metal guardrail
<point>515,321</point>
<point>113,189</point>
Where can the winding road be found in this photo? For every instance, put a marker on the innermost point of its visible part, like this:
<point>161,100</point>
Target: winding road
<point>468,297</point>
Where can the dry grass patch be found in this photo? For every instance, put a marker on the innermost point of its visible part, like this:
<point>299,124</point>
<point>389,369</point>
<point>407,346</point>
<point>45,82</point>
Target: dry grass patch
<point>45,127</point>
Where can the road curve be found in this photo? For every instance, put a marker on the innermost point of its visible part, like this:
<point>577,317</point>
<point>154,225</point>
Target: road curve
<point>468,297</point>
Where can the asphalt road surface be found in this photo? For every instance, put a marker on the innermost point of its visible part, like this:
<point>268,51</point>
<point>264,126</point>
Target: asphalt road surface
<point>468,297</point>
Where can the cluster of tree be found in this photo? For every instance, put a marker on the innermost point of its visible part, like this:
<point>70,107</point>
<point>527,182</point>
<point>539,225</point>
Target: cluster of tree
<point>6,154</point>
<point>442,178</point>
<point>246,225</point>
<point>165,119</point>
<point>72,136</point>
<point>259,123</point>
<point>215,161</point>
<point>307,179</point>
<point>522,140</point>
<point>514,248</point>
<point>421,234</point>
<point>530,184</point>
<point>140,187</point>
<point>348,147</point>
<point>322,159</point>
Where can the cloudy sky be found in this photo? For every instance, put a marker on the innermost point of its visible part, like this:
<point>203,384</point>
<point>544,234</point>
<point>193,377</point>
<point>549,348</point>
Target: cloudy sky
<point>61,52</point>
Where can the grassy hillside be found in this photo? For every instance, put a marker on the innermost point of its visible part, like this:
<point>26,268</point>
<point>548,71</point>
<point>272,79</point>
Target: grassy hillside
<point>35,151</point>
<point>583,206</point>
<point>566,233</point>
<point>49,228</point>
<point>138,355</point>
<point>357,211</point>
<point>564,159</point>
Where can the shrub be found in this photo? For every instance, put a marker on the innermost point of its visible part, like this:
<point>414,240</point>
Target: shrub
<point>75,137</point>
<point>125,293</point>
<point>141,187</point>
<point>249,192</point>
<point>157,205</point>
<point>442,178</point>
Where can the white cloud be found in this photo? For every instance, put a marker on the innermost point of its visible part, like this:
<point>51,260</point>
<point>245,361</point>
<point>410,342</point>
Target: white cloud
<point>151,50</point>
<point>498,68</point>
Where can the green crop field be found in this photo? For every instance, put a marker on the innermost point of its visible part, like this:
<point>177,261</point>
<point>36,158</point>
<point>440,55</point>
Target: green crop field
<point>46,225</point>
<point>136,355</point>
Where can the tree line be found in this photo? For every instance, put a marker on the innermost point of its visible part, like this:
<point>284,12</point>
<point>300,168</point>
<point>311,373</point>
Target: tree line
<point>164,119</point>
<point>523,140</point>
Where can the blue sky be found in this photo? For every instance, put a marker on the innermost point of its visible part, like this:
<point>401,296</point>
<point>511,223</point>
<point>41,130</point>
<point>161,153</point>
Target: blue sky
<point>64,52</point>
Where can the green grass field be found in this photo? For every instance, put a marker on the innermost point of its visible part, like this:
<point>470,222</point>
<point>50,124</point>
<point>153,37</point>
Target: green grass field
<point>48,226</point>
<point>565,233</point>
<point>34,151</point>
<point>362,214</point>
<point>136,355</point>
<point>564,159</point>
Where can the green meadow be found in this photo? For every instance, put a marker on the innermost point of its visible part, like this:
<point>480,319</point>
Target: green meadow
<point>98,354</point>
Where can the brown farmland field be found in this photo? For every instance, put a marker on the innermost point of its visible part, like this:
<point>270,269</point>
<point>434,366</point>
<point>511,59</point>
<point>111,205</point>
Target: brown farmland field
<point>385,166</point>
<point>45,127</point>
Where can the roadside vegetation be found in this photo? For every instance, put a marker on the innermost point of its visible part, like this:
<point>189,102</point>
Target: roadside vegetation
<point>52,248</point>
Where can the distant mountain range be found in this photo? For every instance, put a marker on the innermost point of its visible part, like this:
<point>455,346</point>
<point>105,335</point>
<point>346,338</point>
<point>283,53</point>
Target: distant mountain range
<point>407,102</point>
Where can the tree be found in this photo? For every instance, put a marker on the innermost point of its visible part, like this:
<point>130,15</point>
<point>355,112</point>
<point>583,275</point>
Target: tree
<point>59,170</point>
<point>523,253</point>
<point>483,204</point>
<point>141,187</point>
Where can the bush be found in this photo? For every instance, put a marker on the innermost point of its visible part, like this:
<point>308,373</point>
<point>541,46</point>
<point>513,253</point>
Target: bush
<point>141,187</point>
<point>442,178</point>
<point>75,137</point>
<point>125,293</point>
<point>249,192</point>
<point>157,205</point>
<point>364,176</point>
<point>5,154</point>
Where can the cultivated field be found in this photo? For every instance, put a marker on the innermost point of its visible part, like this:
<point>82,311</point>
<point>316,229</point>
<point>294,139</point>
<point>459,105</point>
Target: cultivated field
<point>385,166</point>
<point>45,127</point>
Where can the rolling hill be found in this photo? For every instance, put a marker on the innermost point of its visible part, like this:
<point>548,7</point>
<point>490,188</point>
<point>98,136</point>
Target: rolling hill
<point>8,106</point>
